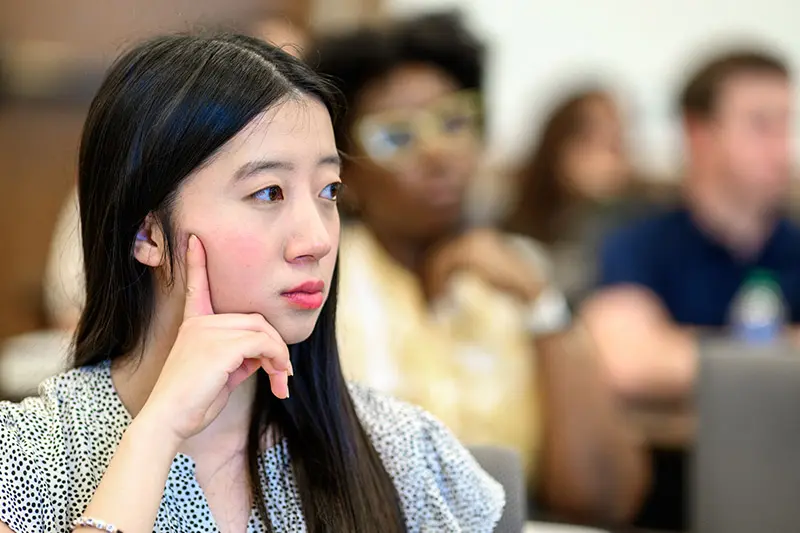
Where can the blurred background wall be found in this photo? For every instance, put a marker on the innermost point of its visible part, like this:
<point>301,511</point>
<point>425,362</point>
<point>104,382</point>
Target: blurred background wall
<point>642,46</point>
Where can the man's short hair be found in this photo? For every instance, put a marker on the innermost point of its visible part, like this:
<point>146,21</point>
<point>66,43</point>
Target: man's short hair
<point>700,96</point>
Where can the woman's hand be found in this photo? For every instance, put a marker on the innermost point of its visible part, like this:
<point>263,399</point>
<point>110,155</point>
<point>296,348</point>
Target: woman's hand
<point>212,355</point>
<point>483,252</point>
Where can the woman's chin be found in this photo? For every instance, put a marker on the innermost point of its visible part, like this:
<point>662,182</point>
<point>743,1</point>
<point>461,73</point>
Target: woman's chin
<point>295,331</point>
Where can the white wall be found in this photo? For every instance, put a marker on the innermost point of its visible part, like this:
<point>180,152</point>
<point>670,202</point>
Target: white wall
<point>641,45</point>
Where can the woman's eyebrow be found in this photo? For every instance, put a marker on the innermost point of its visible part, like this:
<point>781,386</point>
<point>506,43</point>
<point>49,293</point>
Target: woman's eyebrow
<point>261,165</point>
<point>254,167</point>
<point>331,160</point>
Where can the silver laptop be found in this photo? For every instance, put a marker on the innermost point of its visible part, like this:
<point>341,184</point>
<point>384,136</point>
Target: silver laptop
<point>746,466</point>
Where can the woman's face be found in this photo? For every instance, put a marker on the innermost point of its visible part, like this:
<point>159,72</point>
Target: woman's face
<point>594,161</point>
<point>265,210</point>
<point>417,148</point>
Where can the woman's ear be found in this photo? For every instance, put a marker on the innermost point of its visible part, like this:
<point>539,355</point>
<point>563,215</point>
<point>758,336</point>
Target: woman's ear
<point>150,247</point>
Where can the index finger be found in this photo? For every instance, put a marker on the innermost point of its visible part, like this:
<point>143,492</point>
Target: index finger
<point>198,294</point>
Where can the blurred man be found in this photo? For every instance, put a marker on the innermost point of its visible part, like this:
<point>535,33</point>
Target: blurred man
<point>670,277</point>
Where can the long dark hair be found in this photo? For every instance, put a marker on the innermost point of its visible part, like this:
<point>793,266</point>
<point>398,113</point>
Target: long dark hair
<point>164,109</point>
<point>544,193</point>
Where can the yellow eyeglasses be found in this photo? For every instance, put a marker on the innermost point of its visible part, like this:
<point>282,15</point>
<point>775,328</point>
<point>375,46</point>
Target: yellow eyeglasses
<point>392,136</point>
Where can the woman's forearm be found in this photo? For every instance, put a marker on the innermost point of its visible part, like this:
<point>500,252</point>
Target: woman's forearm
<point>130,492</point>
<point>594,468</point>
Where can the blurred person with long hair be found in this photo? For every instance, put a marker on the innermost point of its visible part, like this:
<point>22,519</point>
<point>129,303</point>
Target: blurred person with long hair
<point>459,320</point>
<point>208,186</point>
<point>575,185</point>
<point>673,277</point>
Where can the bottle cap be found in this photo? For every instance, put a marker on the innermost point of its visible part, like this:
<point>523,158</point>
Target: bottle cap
<point>762,276</point>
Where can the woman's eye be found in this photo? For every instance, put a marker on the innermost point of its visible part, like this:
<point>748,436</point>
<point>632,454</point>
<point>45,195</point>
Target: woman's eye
<point>388,141</point>
<point>272,193</point>
<point>398,138</point>
<point>456,123</point>
<point>331,192</point>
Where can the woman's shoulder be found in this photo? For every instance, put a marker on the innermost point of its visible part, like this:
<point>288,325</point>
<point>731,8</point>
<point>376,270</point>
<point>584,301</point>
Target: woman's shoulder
<point>441,486</point>
<point>46,439</point>
<point>35,415</point>
<point>391,423</point>
<point>60,396</point>
<point>44,425</point>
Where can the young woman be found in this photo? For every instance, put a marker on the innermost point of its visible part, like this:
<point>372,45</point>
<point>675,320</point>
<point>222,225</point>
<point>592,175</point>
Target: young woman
<point>207,393</point>
<point>576,185</point>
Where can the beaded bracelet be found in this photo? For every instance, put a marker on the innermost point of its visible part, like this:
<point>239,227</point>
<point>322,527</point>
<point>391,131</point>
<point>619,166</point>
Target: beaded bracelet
<point>96,524</point>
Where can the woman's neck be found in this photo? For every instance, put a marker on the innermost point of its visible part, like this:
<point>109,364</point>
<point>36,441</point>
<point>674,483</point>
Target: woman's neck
<point>136,374</point>
<point>410,253</point>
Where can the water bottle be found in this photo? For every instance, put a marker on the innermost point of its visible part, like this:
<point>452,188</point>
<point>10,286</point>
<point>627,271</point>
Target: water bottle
<point>758,311</point>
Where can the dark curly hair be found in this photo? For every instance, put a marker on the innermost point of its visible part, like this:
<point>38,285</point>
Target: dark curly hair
<point>355,59</point>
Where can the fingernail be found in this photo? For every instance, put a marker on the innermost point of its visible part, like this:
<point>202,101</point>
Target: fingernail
<point>291,369</point>
<point>192,242</point>
<point>287,394</point>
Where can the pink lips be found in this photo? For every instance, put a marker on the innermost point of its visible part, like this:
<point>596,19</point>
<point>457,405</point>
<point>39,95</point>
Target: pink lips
<point>308,295</point>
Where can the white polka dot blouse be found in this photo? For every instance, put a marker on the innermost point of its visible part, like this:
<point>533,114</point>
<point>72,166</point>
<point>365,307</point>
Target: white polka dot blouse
<point>55,447</point>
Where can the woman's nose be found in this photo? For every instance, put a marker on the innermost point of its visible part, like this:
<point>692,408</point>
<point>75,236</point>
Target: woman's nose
<point>310,238</point>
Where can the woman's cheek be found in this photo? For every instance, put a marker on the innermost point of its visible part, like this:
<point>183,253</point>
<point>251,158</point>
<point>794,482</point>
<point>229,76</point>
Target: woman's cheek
<point>239,271</point>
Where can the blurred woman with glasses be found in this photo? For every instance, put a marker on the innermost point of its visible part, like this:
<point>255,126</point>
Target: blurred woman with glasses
<point>457,319</point>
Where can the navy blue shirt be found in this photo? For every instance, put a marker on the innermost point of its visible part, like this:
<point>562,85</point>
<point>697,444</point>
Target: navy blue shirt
<point>696,279</point>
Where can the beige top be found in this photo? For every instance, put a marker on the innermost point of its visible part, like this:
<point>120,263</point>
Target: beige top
<point>471,363</point>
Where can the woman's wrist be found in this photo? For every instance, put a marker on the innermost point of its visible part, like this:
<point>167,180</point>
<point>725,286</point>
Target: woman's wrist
<point>153,431</point>
<point>548,312</point>
<point>129,495</point>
